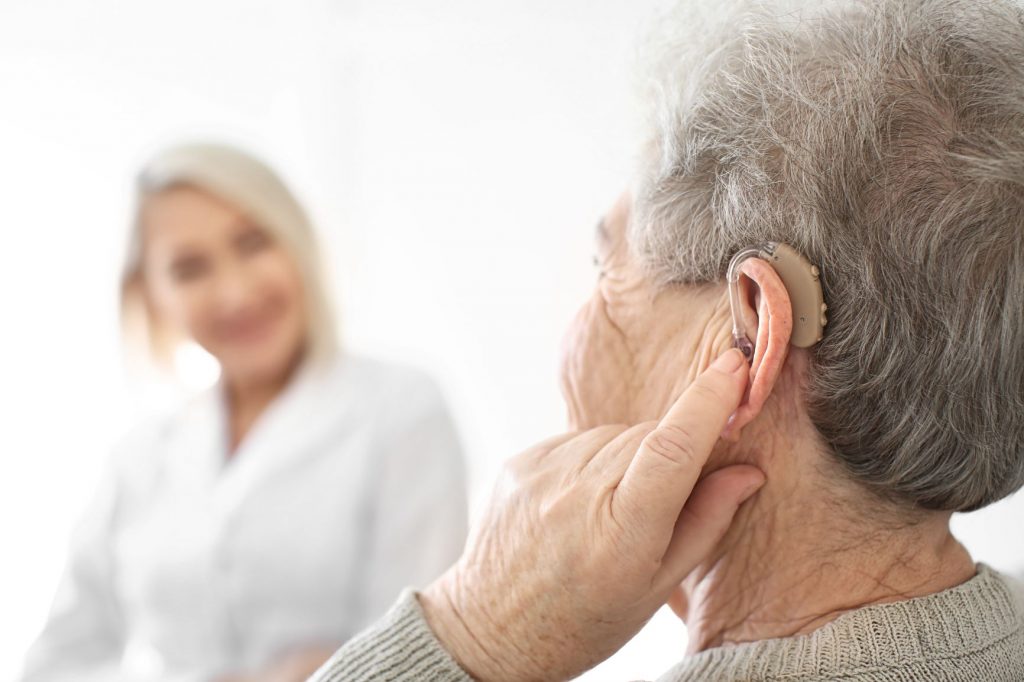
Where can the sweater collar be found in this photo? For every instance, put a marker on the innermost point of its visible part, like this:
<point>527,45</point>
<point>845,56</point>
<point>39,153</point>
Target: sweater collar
<point>958,621</point>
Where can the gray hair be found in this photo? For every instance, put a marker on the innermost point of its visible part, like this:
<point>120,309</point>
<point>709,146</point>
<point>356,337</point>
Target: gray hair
<point>885,141</point>
<point>251,186</point>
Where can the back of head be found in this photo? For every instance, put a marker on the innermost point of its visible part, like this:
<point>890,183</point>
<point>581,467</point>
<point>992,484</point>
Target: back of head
<point>884,140</point>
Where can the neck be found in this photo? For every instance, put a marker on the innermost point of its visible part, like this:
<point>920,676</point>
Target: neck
<point>808,548</point>
<point>248,399</point>
<point>811,544</point>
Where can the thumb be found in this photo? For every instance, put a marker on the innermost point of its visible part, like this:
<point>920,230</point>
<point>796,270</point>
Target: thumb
<point>706,517</point>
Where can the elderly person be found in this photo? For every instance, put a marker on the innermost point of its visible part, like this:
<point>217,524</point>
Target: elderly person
<point>885,142</point>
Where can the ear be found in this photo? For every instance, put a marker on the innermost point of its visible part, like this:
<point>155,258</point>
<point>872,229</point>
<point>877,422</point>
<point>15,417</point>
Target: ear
<point>765,306</point>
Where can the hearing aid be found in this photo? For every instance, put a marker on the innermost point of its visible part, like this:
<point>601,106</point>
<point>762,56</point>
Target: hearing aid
<point>801,280</point>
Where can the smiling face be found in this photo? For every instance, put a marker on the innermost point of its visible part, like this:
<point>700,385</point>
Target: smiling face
<point>223,281</point>
<point>633,347</point>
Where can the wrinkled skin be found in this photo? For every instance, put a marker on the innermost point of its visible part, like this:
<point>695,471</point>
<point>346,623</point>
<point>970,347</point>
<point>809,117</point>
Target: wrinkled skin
<point>568,563</point>
<point>586,536</point>
<point>578,550</point>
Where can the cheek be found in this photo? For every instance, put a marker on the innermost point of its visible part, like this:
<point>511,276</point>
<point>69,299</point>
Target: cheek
<point>593,342</point>
<point>576,343</point>
<point>287,297</point>
<point>595,367</point>
<point>187,308</point>
<point>278,281</point>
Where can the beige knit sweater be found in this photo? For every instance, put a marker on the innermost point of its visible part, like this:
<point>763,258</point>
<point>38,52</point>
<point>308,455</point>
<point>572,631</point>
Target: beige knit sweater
<point>972,632</point>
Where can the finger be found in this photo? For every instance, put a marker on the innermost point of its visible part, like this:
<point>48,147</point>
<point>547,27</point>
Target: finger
<point>705,518</point>
<point>665,468</point>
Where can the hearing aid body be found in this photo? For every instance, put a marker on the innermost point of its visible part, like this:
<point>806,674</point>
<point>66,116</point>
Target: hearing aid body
<point>801,280</point>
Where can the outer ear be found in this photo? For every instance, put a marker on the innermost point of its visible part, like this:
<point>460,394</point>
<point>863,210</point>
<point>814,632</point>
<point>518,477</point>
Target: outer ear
<point>766,306</point>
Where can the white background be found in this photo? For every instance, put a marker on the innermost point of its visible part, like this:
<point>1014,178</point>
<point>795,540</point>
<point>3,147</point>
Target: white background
<point>456,155</point>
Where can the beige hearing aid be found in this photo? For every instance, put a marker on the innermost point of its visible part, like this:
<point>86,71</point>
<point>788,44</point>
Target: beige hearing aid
<point>801,280</point>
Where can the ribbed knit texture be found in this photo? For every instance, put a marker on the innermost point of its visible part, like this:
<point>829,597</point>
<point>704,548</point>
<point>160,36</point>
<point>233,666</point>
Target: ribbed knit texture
<point>399,646</point>
<point>973,632</point>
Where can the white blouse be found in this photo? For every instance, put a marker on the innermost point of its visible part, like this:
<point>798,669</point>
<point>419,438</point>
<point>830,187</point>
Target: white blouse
<point>189,564</point>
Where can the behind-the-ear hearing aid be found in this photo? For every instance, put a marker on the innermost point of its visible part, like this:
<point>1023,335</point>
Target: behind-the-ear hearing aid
<point>800,278</point>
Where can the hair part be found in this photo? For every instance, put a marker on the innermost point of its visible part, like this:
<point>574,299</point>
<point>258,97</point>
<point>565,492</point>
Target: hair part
<point>252,187</point>
<point>885,141</point>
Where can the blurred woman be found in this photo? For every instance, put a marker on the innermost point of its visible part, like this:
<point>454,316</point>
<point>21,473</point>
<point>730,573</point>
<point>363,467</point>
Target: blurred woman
<point>247,535</point>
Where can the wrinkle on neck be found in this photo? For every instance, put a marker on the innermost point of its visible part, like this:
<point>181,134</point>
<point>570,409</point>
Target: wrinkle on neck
<point>810,546</point>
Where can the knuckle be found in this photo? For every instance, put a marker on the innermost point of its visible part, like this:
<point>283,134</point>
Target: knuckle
<point>673,444</point>
<point>600,440</point>
<point>605,434</point>
<point>612,431</point>
<point>518,471</point>
<point>516,465</point>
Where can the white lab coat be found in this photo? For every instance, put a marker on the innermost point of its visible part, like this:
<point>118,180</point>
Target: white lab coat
<point>189,564</point>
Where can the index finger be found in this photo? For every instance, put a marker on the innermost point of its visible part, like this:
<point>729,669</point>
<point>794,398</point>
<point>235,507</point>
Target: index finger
<point>668,463</point>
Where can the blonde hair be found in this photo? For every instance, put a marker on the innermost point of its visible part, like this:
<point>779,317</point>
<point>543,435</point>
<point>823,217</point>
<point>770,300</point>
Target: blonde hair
<point>251,186</point>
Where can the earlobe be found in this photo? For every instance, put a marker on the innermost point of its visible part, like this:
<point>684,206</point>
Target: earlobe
<point>774,324</point>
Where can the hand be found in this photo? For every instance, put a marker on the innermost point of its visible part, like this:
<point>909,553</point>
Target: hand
<point>295,666</point>
<point>587,535</point>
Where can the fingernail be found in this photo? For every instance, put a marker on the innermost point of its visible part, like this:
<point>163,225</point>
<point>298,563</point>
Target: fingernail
<point>729,361</point>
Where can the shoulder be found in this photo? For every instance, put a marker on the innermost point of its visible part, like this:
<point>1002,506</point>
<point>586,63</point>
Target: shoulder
<point>401,409</point>
<point>1013,586</point>
<point>385,385</point>
<point>974,631</point>
<point>399,646</point>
